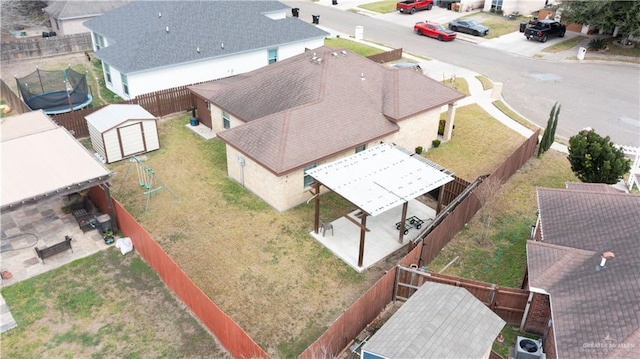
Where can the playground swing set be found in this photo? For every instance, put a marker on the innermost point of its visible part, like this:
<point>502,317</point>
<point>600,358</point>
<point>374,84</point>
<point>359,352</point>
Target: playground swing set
<point>147,179</point>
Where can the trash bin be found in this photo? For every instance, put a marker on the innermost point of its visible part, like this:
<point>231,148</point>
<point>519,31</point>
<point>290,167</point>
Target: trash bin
<point>295,12</point>
<point>523,25</point>
<point>194,121</point>
<point>334,2</point>
<point>316,19</point>
<point>581,52</point>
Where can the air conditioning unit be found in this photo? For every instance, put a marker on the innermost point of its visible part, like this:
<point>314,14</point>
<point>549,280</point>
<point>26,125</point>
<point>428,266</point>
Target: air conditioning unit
<point>527,348</point>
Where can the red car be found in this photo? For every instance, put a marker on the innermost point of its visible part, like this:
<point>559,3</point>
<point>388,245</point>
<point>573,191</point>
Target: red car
<point>435,30</point>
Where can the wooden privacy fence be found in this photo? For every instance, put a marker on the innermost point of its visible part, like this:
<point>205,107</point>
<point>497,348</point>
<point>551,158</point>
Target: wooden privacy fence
<point>229,333</point>
<point>508,303</point>
<point>350,323</point>
<point>159,103</point>
<point>14,101</point>
<point>38,47</point>
<point>391,55</point>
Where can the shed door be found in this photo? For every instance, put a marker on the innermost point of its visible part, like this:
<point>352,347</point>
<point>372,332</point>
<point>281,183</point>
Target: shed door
<point>131,139</point>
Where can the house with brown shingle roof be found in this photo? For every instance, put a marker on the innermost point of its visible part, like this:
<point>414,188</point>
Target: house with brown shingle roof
<point>586,259</point>
<point>314,108</point>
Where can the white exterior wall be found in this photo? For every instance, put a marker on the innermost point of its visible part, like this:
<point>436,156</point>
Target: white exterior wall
<point>524,7</point>
<point>194,72</point>
<point>96,140</point>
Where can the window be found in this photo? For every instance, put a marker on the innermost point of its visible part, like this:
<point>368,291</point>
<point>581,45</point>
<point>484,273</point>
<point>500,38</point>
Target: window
<point>107,73</point>
<point>208,104</point>
<point>99,41</point>
<point>308,180</point>
<point>361,148</point>
<point>273,56</point>
<point>496,5</point>
<point>125,84</point>
<point>226,122</point>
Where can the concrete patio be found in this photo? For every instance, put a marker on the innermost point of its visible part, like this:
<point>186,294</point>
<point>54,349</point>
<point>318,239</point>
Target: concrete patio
<point>380,242</point>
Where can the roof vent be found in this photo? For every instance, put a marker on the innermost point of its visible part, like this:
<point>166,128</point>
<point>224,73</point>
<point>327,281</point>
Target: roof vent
<point>222,45</point>
<point>159,14</point>
<point>167,29</point>
<point>603,260</point>
<point>334,54</point>
<point>343,52</point>
<point>362,76</point>
<point>198,49</point>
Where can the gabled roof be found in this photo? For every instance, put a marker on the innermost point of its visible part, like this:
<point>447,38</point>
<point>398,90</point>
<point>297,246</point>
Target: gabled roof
<point>111,116</point>
<point>438,321</point>
<point>302,110</point>
<point>68,10</point>
<point>41,159</point>
<point>139,40</point>
<point>595,311</point>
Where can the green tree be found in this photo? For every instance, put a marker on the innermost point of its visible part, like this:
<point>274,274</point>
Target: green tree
<point>595,159</point>
<point>550,131</point>
<point>605,14</point>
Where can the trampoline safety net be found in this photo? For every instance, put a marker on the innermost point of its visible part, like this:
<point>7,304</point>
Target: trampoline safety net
<point>54,91</point>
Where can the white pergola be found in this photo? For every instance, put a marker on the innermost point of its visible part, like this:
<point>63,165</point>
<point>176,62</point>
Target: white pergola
<point>41,159</point>
<point>376,180</point>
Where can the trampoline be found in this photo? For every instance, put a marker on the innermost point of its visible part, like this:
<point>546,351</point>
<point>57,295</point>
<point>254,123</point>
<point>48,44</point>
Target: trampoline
<point>55,92</point>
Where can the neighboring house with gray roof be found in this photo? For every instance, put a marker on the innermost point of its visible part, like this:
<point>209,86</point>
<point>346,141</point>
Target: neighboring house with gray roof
<point>438,321</point>
<point>595,308</point>
<point>67,16</point>
<point>147,46</point>
<point>315,108</point>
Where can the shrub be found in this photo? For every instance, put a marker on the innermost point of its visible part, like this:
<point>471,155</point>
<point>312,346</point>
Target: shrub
<point>597,44</point>
<point>595,159</point>
<point>441,127</point>
<point>499,11</point>
<point>436,143</point>
<point>419,149</point>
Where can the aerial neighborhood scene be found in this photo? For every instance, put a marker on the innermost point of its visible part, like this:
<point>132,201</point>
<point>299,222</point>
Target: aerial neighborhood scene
<point>320,179</point>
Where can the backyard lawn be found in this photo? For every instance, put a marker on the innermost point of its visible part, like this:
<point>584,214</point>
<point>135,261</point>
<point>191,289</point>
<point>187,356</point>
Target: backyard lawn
<point>103,306</point>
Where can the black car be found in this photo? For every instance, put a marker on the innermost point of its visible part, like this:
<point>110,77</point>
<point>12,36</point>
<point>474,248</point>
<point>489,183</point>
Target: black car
<point>469,27</point>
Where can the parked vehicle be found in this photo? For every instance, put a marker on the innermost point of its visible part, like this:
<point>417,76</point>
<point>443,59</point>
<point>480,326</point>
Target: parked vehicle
<point>469,27</point>
<point>434,30</point>
<point>542,30</point>
<point>407,65</point>
<point>411,6</point>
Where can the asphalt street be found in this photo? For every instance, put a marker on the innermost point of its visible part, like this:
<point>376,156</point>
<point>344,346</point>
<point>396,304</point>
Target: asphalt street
<point>597,94</point>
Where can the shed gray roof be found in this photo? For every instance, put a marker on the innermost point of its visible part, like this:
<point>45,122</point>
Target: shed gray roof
<point>67,9</point>
<point>299,111</point>
<point>438,321</point>
<point>589,306</point>
<point>139,40</point>
<point>112,115</point>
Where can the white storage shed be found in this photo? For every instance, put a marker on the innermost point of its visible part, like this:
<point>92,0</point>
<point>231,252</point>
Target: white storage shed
<point>121,131</point>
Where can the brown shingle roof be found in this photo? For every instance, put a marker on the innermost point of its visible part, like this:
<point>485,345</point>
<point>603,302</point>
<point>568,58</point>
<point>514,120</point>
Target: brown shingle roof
<point>299,111</point>
<point>591,308</point>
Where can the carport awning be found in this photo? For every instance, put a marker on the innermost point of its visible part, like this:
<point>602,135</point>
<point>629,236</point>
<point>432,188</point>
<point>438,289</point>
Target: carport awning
<point>41,159</point>
<point>379,178</point>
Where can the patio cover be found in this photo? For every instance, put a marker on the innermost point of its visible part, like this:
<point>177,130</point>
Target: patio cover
<point>380,178</point>
<point>41,159</point>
